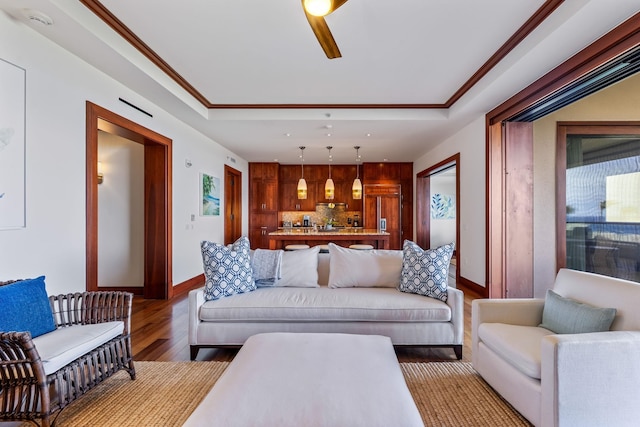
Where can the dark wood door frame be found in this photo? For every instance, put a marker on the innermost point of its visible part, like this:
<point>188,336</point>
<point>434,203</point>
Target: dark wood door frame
<point>157,201</point>
<point>423,206</point>
<point>232,204</point>
<point>617,42</point>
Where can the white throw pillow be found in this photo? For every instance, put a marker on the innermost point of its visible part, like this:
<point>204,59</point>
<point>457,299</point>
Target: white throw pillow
<point>300,268</point>
<point>353,268</point>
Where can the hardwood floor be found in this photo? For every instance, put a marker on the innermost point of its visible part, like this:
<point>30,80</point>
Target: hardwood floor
<point>160,332</point>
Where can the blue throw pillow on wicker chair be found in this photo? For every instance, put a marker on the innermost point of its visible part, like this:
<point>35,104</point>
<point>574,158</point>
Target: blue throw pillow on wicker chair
<point>227,269</point>
<point>24,306</point>
<point>426,272</point>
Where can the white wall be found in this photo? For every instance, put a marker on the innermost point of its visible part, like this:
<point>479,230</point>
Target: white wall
<point>443,231</point>
<point>120,212</point>
<point>470,143</point>
<point>53,242</point>
<point>620,102</point>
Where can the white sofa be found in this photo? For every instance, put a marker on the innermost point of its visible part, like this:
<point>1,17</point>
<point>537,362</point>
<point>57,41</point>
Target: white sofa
<point>408,319</point>
<point>583,379</point>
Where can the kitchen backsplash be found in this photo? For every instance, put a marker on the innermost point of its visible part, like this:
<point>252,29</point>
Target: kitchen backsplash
<point>324,213</point>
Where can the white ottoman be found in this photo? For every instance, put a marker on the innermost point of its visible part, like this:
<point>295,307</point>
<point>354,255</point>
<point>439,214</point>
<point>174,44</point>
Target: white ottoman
<point>311,380</point>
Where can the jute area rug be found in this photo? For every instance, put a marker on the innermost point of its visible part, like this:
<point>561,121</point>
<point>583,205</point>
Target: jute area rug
<point>165,394</point>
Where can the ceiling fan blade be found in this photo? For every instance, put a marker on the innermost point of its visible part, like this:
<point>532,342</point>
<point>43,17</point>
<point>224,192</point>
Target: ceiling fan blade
<point>323,34</point>
<point>337,4</point>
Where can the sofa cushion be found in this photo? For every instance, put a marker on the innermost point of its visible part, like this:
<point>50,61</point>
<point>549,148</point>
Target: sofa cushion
<point>519,345</point>
<point>64,345</point>
<point>227,269</point>
<point>426,272</point>
<point>351,268</point>
<point>300,268</point>
<point>567,316</point>
<point>325,304</point>
<point>25,307</point>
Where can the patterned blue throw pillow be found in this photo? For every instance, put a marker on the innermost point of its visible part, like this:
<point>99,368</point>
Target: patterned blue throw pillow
<point>425,272</point>
<point>227,269</point>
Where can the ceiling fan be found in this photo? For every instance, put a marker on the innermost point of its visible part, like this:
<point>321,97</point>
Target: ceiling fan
<point>316,10</point>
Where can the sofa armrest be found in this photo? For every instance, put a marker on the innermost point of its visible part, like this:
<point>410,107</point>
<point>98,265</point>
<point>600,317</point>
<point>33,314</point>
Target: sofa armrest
<point>591,379</point>
<point>514,311</point>
<point>455,300</point>
<point>92,307</point>
<point>196,299</point>
<point>24,374</point>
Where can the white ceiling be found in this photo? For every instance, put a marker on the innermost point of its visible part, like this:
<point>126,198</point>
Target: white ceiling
<point>397,56</point>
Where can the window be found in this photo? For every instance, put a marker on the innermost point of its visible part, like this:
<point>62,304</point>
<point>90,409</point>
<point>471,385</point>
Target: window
<point>601,225</point>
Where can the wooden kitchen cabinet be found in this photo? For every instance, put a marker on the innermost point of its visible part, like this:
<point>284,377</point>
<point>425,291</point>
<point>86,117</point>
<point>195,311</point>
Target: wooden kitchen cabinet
<point>263,203</point>
<point>263,196</point>
<point>288,189</point>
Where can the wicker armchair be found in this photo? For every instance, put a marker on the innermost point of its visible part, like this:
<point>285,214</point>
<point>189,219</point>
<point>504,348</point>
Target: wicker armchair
<point>26,393</point>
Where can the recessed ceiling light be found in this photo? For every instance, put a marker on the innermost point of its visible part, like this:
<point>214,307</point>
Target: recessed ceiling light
<point>368,134</point>
<point>328,134</point>
<point>37,16</point>
<point>287,134</point>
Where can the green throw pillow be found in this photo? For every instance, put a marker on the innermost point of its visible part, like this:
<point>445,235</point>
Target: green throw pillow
<point>566,316</point>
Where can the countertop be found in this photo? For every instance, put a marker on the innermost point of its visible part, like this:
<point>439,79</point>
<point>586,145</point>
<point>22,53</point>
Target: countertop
<point>338,232</point>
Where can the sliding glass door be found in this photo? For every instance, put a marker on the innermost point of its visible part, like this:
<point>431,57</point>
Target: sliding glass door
<point>600,231</point>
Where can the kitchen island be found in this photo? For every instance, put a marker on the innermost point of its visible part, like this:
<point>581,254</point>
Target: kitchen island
<point>343,237</point>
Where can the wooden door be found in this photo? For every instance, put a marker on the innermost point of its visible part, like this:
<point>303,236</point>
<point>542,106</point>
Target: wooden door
<point>232,204</point>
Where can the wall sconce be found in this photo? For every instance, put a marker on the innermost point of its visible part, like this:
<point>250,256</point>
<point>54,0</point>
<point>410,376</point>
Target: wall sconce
<point>100,173</point>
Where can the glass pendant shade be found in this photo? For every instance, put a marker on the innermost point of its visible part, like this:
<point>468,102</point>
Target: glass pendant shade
<point>329,189</point>
<point>302,184</point>
<point>318,7</point>
<point>356,189</point>
<point>302,188</point>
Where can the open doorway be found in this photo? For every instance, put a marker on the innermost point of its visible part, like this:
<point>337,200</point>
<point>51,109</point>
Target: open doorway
<point>438,209</point>
<point>157,201</point>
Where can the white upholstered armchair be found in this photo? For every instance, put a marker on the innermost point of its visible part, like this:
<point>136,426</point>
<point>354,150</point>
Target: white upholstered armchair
<point>563,379</point>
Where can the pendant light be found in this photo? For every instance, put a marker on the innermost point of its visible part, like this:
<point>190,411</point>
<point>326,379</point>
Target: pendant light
<point>356,188</point>
<point>318,7</point>
<point>329,188</point>
<point>302,184</point>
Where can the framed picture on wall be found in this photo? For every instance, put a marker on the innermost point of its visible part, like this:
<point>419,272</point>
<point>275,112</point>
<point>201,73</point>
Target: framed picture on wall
<point>210,195</point>
<point>443,206</point>
<point>12,146</point>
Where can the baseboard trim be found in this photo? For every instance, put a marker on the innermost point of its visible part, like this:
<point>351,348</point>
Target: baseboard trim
<point>188,285</point>
<point>467,285</point>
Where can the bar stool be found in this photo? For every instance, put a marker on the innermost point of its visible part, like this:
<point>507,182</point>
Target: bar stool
<point>295,247</point>
<point>361,247</point>
<point>324,249</point>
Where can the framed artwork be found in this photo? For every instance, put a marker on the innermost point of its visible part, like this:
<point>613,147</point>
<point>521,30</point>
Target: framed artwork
<point>12,146</point>
<point>210,195</point>
<point>443,206</point>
